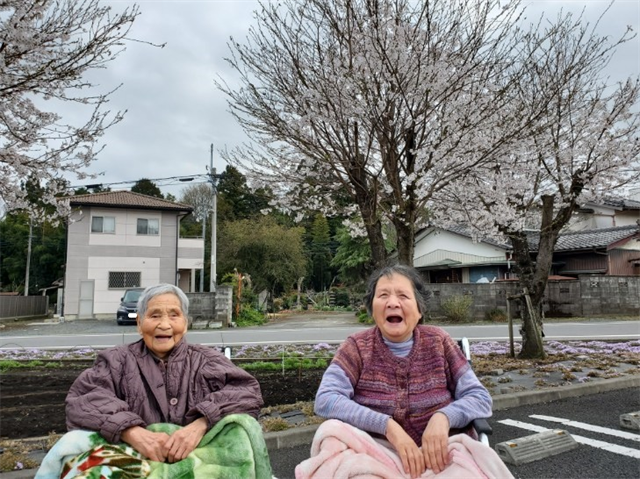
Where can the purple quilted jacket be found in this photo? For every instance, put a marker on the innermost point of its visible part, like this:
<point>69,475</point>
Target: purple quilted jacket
<point>128,387</point>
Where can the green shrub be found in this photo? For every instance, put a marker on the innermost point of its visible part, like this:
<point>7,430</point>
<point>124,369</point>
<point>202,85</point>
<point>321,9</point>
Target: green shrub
<point>277,304</point>
<point>495,315</point>
<point>456,308</point>
<point>341,297</point>
<point>363,317</point>
<point>290,301</point>
<point>250,317</point>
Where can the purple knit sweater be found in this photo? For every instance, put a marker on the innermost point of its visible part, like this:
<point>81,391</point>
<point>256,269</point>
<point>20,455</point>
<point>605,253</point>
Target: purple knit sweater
<point>410,389</point>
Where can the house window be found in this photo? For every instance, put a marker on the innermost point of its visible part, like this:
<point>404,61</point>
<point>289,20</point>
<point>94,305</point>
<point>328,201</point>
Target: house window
<point>148,227</point>
<point>124,279</point>
<point>103,224</point>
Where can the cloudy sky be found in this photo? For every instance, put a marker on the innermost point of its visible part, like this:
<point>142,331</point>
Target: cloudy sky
<point>175,112</point>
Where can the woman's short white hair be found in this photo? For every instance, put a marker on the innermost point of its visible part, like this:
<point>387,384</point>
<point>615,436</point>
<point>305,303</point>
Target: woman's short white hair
<point>157,290</point>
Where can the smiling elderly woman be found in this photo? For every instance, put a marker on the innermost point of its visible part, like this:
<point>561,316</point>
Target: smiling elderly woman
<point>407,383</point>
<point>160,379</point>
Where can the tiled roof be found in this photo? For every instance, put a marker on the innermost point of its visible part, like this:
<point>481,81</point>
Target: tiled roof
<point>598,238</point>
<point>586,239</point>
<point>127,199</point>
<point>575,240</point>
<point>621,203</point>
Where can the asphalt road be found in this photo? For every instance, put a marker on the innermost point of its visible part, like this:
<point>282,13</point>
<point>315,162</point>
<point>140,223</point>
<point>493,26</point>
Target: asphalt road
<point>310,329</point>
<point>587,461</point>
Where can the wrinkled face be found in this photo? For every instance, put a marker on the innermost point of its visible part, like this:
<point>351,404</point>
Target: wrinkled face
<point>163,324</point>
<point>394,308</point>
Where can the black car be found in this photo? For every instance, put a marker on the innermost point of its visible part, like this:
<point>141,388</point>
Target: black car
<point>128,309</point>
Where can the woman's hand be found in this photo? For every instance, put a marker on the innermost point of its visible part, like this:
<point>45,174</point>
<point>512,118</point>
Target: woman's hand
<point>435,442</point>
<point>411,456</point>
<point>185,440</point>
<point>149,444</point>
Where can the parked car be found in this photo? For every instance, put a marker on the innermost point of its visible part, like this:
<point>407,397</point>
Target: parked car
<point>128,309</point>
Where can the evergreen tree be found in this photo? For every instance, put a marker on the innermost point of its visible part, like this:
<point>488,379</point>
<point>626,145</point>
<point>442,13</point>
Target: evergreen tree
<point>236,200</point>
<point>320,253</point>
<point>147,187</point>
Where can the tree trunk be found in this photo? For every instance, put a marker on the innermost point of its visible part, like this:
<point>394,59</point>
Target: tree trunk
<point>405,241</point>
<point>366,196</point>
<point>532,346</point>
<point>534,276</point>
<point>531,329</point>
<point>376,241</point>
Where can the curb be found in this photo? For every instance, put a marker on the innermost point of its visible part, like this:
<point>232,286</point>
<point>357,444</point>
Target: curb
<point>507,401</point>
<point>304,435</point>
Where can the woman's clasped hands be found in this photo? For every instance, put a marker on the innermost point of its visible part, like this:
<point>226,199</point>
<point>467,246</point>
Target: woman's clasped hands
<point>161,447</point>
<point>434,453</point>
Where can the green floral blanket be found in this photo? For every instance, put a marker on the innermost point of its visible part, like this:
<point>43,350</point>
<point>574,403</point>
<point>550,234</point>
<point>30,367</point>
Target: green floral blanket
<point>233,448</point>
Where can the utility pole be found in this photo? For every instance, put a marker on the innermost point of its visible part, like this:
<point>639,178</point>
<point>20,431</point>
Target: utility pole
<point>204,232</point>
<point>213,179</point>
<point>26,280</point>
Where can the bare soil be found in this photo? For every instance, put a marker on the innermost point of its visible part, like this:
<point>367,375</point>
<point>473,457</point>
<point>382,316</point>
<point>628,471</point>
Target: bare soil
<point>32,400</point>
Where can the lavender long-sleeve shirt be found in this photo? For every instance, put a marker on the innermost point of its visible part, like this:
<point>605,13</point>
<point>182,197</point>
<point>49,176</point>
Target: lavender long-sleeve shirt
<point>334,399</point>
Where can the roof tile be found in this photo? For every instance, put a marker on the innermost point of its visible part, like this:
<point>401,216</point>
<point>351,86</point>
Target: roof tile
<point>126,199</point>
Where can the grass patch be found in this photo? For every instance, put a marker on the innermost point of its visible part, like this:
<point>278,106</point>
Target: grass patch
<point>8,364</point>
<point>289,364</point>
<point>274,424</point>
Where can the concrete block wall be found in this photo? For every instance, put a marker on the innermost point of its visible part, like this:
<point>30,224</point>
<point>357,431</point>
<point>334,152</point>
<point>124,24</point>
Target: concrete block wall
<point>610,295</point>
<point>563,299</point>
<point>587,297</point>
<point>211,307</point>
<point>485,296</point>
<point>201,306</point>
<point>224,304</point>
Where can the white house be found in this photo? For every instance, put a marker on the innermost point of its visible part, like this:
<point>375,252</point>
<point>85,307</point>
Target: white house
<point>610,213</point>
<point>451,256</point>
<point>601,238</point>
<point>118,240</point>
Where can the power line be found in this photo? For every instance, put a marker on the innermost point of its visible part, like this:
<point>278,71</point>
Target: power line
<point>204,177</point>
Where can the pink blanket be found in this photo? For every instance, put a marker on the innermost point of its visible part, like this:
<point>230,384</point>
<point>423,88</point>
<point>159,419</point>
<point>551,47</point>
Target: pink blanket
<point>342,451</point>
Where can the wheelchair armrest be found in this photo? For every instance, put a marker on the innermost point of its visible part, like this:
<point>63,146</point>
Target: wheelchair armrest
<point>482,426</point>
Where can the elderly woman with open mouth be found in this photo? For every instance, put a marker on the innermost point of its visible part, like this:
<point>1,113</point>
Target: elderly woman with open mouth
<point>407,383</point>
<point>160,379</point>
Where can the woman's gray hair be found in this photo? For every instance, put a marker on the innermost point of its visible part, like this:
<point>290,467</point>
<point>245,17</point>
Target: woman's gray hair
<point>421,293</point>
<point>162,288</point>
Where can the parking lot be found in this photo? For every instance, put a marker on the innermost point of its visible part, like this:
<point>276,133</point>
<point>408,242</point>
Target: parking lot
<point>605,451</point>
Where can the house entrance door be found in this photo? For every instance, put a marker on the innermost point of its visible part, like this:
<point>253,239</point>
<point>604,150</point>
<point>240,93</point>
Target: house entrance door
<point>85,308</point>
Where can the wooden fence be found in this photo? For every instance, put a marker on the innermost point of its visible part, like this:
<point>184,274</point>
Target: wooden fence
<point>23,306</point>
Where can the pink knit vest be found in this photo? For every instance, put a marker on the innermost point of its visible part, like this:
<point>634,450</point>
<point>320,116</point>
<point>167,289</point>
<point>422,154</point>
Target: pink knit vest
<point>409,389</point>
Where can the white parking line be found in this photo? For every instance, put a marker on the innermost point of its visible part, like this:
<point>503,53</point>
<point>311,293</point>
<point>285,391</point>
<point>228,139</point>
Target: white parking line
<point>589,427</point>
<point>624,451</point>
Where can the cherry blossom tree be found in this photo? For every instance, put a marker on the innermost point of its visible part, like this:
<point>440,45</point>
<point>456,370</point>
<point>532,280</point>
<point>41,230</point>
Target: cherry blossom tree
<point>370,107</point>
<point>584,147</point>
<point>46,49</point>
